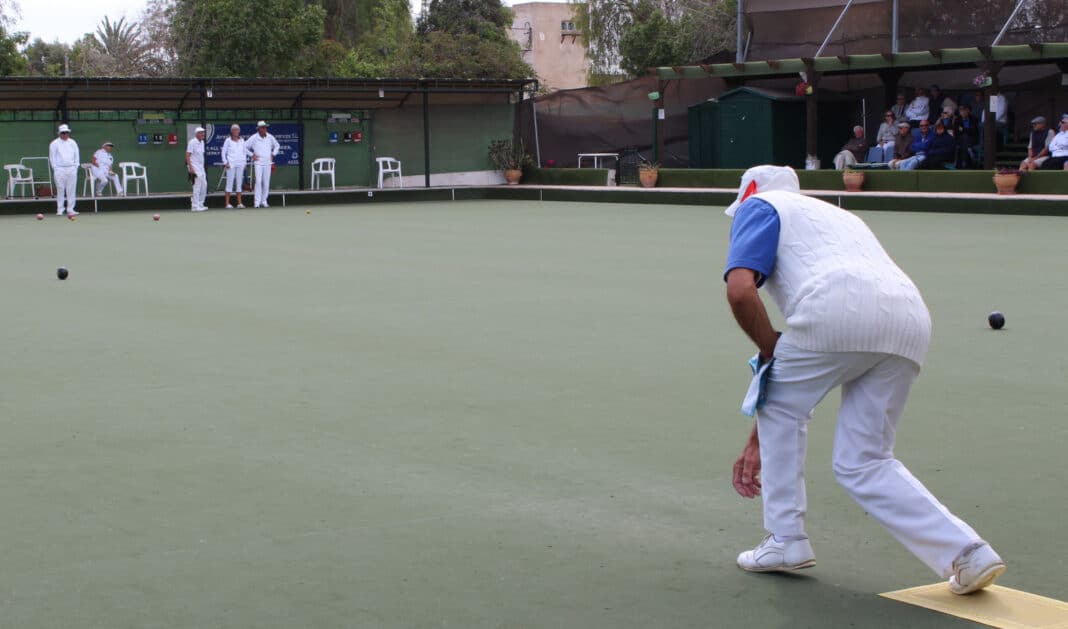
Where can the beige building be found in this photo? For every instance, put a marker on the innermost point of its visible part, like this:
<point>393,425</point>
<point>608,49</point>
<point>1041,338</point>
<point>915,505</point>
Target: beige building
<point>551,43</point>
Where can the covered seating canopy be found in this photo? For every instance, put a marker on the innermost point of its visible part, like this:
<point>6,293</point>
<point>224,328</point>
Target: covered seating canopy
<point>890,67</point>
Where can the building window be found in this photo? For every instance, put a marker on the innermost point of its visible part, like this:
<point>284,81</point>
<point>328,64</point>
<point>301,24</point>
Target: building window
<point>567,27</point>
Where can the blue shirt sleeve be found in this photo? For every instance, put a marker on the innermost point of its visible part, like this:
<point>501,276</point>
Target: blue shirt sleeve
<point>754,239</point>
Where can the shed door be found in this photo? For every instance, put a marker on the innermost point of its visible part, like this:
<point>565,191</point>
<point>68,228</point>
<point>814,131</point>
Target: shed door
<point>743,135</point>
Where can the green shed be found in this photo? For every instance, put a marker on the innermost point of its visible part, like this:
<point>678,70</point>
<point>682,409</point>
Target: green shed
<point>760,126</point>
<point>703,120</point>
<point>748,126</point>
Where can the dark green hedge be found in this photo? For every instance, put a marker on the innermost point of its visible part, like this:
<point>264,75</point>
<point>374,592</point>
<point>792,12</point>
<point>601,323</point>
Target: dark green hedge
<point>1042,182</point>
<point>565,176</point>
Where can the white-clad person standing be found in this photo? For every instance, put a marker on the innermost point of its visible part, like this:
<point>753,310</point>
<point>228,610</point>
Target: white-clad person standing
<point>102,172</point>
<point>233,159</point>
<point>854,320</point>
<point>194,162</point>
<point>64,156</point>
<point>262,147</point>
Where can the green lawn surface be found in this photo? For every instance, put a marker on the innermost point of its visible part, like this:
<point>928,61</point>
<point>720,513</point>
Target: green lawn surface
<point>477,414</point>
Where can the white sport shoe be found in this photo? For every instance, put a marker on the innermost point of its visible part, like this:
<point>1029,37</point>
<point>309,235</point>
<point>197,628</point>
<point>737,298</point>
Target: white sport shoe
<point>773,556</point>
<point>72,213</point>
<point>229,207</point>
<point>975,568</point>
<point>240,206</point>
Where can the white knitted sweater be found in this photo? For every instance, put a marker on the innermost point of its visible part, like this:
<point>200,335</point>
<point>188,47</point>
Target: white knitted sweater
<point>837,287</point>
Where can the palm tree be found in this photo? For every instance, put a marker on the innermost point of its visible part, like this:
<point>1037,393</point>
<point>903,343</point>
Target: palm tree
<point>123,45</point>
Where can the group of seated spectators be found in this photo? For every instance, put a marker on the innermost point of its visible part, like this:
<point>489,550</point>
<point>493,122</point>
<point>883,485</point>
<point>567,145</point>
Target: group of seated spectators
<point>1047,150</point>
<point>933,132</point>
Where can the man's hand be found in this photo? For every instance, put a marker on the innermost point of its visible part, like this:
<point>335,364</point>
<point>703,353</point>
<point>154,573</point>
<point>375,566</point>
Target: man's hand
<point>226,166</point>
<point>746,479</point>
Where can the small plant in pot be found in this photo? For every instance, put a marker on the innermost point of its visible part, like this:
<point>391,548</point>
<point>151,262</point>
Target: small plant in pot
<point>648,173</point>
<point>853,180</point>
<point>1006,180</point>
<point>509,158</point>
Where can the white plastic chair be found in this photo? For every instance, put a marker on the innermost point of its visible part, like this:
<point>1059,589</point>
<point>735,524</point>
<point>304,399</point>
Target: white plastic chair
<point>46,168</point>
<point>132,171</point>
<point>91,184</point>
<point>389,166</point>
<point>321,168</point>
<point>18,175</point>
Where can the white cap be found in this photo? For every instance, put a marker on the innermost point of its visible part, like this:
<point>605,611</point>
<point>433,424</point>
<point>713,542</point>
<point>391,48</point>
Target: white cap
<point>64,128</point>
<point>200,130</point>
<point>261,123</point>
<point>764,179</point>
<point>235,126</point>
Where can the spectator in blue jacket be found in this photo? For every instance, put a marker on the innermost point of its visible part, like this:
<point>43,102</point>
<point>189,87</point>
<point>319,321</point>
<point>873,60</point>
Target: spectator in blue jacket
<point>921,140</point>
<point>940,150</point>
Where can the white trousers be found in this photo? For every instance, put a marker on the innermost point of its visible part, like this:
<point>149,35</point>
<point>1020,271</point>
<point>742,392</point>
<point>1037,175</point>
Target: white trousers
<point>875,388</point>
<point>200,188</point>
<point>263,183</point>
<point>843,159</point>
<point>235,176</point>
<point>101,179</point>
<point>66,186</point>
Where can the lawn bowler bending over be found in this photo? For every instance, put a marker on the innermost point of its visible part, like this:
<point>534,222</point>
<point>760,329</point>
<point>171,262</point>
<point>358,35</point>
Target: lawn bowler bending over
<point>854,320</point>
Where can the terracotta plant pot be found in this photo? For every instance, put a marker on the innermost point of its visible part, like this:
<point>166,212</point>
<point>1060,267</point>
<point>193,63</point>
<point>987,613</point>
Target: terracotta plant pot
<point>648,178</point>
<point>1006,184</point>
<point>512,176</point>
<point>854,181</point>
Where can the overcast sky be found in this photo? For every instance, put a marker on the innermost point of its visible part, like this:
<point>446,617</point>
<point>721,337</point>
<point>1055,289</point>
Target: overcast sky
<point>68,20</point>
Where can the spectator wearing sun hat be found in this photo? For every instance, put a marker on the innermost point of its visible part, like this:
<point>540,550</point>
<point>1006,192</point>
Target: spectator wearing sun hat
<point>102,172</point>
<point>263,148</point>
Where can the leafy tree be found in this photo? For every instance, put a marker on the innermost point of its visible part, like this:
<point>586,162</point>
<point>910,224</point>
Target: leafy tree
<point>11,61</point>
<point>240,38</point>
<point>487,19</point>
<point>463,39</point>
<point>626,37</point>
<point>46,59</point>
<point>461,56</point>
<point>650,41</point>
<point>156,27</point>
<point>388,37</point>
<point>342,21</point>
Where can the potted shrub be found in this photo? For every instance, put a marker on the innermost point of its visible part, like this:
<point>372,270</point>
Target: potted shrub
<point>509,158</point>
<point>1006,180</point>
<point>648,173</point>
<point>853,180</point>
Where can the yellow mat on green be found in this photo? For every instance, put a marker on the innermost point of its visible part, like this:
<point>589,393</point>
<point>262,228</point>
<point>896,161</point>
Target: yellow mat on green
<point>995,606</point>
